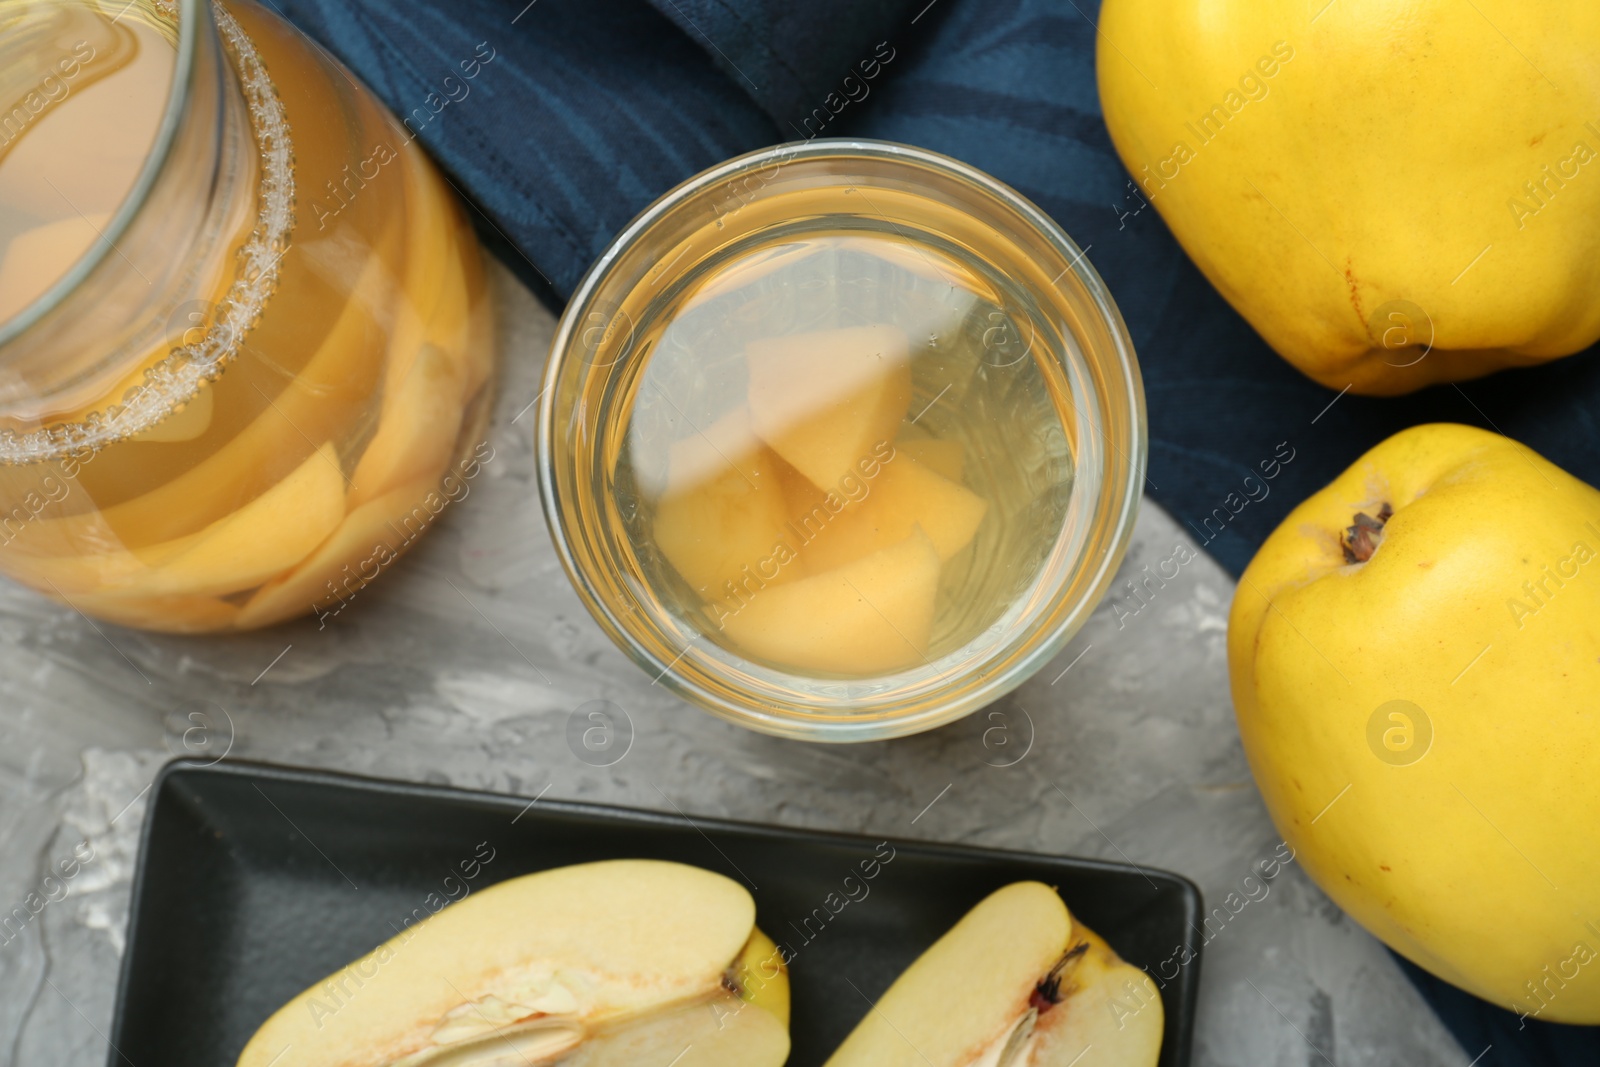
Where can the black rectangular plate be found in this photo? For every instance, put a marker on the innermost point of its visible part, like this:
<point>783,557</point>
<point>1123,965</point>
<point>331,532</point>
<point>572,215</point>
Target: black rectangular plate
<point>256,881</point>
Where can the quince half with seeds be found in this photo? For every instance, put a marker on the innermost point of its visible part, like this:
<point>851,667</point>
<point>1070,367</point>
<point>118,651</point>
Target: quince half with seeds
<point>610,964</point>
<point>1018,982</point>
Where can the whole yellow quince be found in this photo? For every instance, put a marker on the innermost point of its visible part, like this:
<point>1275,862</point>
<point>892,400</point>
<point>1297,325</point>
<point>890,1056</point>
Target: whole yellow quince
<point>1393,192</point>
<point>1415,660</point>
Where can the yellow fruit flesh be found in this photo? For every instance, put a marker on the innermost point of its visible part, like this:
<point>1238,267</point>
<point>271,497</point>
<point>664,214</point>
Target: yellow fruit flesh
<point>905,495</point>
<point>823,400</point>
<point>415,437</point>
<point>273,532</point>
<point>966,992</point>
<point>370,538</point>
<point>800,520</point>
<point>1110,1014</point>
<point>601,960</point>
<point>724,507</point>
<point>721,1033</point>
<point>249,462</point>
<point>868,617</point>
<point>192,420</point>
<point>268,535</point>
<point>970,998</point>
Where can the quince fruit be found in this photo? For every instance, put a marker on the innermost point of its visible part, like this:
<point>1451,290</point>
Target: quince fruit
<point>868,617</point>
<point>1018,982</point>
<point>823,400</point>
<point>1393,194</point>
<point>1415,661</point>
<point>904,496</point>
<point>610,964</point>
<point>724,510</point>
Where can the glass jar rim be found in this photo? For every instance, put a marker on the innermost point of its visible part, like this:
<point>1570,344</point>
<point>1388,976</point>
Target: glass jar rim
<point>1114,506</point>
<point>178,96</point>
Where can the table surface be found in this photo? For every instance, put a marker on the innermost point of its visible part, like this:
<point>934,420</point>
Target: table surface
<point>464,665</point>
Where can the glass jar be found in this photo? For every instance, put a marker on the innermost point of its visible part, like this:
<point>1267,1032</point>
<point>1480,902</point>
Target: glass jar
<point>245,342</point>
<point>841,440</point>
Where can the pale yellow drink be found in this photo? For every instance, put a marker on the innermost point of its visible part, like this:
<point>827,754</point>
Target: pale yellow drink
<point>347,416</point>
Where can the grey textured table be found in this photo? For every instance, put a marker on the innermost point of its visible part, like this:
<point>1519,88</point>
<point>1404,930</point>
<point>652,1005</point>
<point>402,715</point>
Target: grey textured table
<point>464,664</point>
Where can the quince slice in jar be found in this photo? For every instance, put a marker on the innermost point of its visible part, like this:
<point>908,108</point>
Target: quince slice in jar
<point>868,617</point>
<point>271,533</point>
<point>825,399</point>
<point>723,508</point>
<point>265,537</point>
<point>255,457</point>
<point>372,535</point>
<point>434,368</point>
<point>905,495</point>
<point>417,429</point>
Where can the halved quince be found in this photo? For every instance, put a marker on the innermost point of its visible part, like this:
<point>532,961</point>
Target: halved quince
<point>611,964</point>
<point>1016,983</point>
<point>824,399</point>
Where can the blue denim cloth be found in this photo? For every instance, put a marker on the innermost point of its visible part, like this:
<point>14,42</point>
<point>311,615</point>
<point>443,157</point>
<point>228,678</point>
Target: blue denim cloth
<point>587,110</point>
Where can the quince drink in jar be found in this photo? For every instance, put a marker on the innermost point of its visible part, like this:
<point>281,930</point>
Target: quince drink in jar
<point>245,347</point>
<point>841,440</point>
<point>843,459</point>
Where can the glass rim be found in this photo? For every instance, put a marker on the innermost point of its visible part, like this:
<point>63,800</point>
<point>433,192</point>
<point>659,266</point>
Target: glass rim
<point>1044,643</point>
<point>178,95</point>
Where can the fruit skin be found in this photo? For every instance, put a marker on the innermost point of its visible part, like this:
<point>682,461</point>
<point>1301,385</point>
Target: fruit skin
<point>762,977</point>
<point>1373,155</point>
<point>1477,860</point>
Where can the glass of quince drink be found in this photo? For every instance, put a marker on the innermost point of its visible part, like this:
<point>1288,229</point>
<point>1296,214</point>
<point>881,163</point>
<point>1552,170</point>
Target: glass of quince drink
<point>245,346</point>
<point>842,440</point>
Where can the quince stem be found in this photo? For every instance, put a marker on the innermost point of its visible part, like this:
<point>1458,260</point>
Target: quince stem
<point>1361,539</point>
